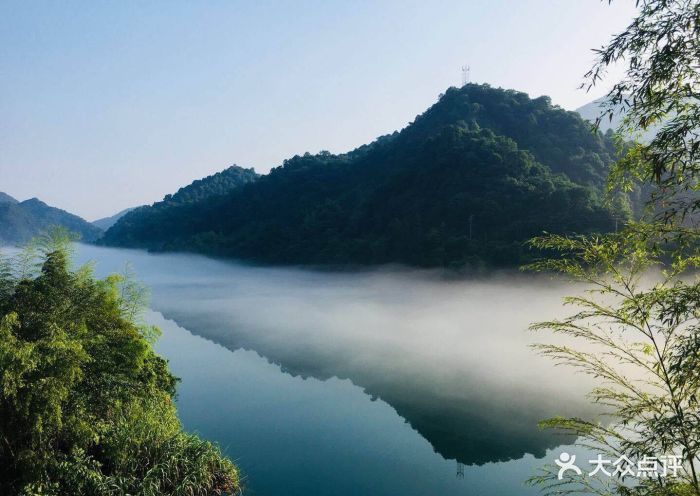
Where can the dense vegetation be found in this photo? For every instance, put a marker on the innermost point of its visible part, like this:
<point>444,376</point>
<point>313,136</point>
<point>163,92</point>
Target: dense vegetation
<point>157,221</point>
<point>22,221</point>
<point>214,185</point>
<point>86,406</point>
<point>636,330</point>
<point>468,182</point>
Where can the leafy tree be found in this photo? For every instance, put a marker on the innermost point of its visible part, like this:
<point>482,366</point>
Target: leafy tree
<point>639,336</point>
<point>639,318</point>
<point>86,406</point>
<point>660,88</point>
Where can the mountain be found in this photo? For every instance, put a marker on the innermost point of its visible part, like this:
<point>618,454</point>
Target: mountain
<point>107,222</point>
<point>5,198</point>
<point>592,110</point>
<point>467,183</point>
<point>159,219</point>
<point>214,185</point>
<point>21,221</point>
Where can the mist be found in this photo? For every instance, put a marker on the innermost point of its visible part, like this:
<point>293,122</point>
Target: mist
<point>452,356</point>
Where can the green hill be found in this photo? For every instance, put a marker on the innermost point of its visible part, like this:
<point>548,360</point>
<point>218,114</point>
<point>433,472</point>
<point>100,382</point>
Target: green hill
<point>157,221</point>
<point>467,183</point>
<point>21,221</point>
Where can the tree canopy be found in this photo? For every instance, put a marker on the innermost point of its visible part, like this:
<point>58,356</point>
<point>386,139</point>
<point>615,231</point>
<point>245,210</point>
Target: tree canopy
<point>86,406</point>
<point>636,330</point>
<point>660,90</point>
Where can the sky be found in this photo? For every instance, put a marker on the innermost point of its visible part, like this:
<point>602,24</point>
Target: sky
<point>108,105</point>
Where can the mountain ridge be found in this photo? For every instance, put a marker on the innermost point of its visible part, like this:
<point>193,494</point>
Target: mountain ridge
<point>22,221</point>
<point>466,183</point>
<point>5,198</point>
<point>105,223</point>
<point>593,110</point>
<point>157,218</point>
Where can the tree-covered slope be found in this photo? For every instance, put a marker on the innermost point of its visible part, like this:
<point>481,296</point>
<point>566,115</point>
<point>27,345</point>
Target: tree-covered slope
<point>158,220</point>
<point>214,185</point>
<point>22,221</point>
<point>468,182</point>
<point>559,139</point>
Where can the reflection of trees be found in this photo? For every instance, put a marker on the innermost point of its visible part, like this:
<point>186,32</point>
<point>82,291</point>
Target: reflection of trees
<point>469,422</point>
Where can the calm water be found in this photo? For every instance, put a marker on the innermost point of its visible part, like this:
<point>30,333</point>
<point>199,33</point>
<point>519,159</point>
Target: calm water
<point>378,383</point>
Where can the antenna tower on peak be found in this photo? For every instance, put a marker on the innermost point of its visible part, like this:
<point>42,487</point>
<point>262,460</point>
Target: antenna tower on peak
<point>465,75</point>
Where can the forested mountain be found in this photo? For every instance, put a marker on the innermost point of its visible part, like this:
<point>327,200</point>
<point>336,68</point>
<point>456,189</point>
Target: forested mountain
<point>467,183</point>
<point>21,221</point>
<point>556,138</point>
<point>214,185</point>
<point>158,220</point>
<point>107,222</point>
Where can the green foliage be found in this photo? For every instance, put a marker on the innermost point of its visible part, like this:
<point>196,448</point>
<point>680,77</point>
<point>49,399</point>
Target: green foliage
<point>637,327</point>
<point>214,185</point>
<point>660,89</point>
<point>558,139</point>
<point>637,332</point>
<point>466,184</point>
<point>169,216</point>
<point>86,406</point>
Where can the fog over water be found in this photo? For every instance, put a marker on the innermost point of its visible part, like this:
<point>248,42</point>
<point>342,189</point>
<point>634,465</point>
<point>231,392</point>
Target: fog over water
<point>376,381</point>
<point>450,355</point>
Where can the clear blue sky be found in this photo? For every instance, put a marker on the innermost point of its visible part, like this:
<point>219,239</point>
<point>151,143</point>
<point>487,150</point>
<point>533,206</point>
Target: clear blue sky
<point>106,105</point>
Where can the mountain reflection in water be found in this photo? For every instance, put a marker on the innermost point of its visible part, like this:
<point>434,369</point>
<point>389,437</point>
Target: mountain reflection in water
<point>450,356</point>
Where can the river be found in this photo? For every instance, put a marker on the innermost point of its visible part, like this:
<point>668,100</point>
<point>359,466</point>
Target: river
<point>380,382</point>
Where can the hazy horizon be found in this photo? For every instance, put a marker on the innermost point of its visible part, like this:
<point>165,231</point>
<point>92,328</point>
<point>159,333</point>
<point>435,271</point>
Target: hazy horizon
<point>112,106</point>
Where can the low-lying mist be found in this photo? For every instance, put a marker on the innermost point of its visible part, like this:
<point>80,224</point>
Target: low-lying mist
<point>451,356</point>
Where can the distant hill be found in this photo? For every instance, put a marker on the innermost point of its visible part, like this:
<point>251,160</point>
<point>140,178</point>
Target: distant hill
<point>107,222</point>
<point>5,198</point>
<point>467,183</point>
<point>591,111</point>
<point>21,221</point>
<point>200,189</point>
<point>164,216</point>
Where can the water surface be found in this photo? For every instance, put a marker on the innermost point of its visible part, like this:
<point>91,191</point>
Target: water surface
<point>381,382</point>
